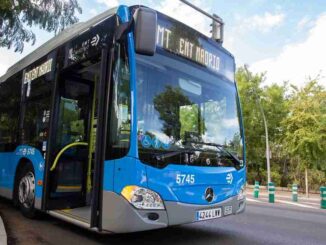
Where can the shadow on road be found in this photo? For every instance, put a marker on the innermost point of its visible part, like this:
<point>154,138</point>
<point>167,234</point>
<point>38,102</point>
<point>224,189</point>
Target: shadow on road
<point>49,230</point>
<point>185,234</point>
<point>260,224</point>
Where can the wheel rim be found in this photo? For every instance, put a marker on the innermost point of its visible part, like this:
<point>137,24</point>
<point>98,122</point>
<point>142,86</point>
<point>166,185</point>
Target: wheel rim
<point>26,192</point>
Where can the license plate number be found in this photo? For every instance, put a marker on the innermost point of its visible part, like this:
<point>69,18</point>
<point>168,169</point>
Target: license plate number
<point>209,214</point>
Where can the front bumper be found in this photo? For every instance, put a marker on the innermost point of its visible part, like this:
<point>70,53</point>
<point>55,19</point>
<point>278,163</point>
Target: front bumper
<point>119,216</point>
<point>182,213</point>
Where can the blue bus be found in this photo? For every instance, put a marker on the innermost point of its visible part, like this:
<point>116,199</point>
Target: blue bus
<point>130,121</point>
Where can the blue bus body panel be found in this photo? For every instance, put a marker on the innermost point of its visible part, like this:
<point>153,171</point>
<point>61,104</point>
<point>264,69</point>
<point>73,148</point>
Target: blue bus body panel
<point>10,161</point>
<point>225,181</point>
<point>122,172</point>
<point>6,170</point>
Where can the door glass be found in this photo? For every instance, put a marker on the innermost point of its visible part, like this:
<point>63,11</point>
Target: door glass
<point>74,114</point>
<point>73,120</point>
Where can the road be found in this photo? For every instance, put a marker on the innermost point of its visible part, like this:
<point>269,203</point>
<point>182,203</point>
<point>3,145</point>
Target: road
<point>262,223</point>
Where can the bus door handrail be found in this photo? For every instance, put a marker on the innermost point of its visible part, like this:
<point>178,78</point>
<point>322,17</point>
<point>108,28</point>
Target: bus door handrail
<point>63,150</point>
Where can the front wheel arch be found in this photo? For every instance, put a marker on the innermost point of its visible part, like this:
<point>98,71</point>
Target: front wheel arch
<point>20,166</point>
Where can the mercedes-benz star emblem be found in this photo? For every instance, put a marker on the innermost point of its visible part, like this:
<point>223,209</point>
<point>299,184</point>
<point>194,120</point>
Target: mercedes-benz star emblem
<point>209,194</point>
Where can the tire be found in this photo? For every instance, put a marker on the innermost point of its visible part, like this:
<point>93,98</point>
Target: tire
<point>26,191</point>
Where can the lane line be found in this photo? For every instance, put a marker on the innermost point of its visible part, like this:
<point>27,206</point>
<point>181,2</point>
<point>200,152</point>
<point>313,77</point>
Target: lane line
<point>296,204</point>
<point>290,200</point>
<point>253,200</point>
<point>310,203</point>
<point>300,197</point>
<point>265,200</point>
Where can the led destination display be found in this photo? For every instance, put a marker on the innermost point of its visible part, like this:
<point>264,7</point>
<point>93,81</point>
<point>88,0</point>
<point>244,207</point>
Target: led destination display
<point>186,42</point>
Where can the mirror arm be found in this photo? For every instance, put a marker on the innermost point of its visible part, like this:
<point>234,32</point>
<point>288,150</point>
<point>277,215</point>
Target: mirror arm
<point>123,29</point>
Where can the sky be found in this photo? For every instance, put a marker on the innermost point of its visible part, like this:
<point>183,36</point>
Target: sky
<point>284,38</point>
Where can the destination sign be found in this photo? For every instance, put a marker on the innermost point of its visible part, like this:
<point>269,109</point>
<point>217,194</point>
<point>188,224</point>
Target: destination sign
<point>187,48</point>
<point>182,40</point>
<point>38,71</point>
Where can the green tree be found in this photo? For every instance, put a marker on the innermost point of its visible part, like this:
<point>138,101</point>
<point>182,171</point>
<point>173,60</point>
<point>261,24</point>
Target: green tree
<point>305,134</point>
<point>249,90</point>
<point>273,102</point>
<point>275,105</point>
<point>18,16</point>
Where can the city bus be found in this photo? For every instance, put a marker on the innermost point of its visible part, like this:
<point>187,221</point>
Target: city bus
<point>130,121</point>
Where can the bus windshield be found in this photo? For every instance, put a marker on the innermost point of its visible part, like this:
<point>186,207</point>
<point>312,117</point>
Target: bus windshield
<point>183,107</point>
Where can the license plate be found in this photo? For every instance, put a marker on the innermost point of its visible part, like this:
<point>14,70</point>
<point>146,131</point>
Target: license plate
<point>209,214</point>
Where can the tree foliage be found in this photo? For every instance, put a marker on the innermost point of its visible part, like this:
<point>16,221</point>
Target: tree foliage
<point>305,133</point>
<point>296,126</point>
<point>18,16</point>
<point>249,89</point>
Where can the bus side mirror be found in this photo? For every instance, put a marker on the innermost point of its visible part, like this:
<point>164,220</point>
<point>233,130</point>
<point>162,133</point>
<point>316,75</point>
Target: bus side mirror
<point>145,22</point>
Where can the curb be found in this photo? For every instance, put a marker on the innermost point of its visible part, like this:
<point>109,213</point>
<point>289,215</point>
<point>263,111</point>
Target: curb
<point>3,234</point>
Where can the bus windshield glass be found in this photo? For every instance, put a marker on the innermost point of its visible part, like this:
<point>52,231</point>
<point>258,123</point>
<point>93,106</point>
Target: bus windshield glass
<point>186,114</point>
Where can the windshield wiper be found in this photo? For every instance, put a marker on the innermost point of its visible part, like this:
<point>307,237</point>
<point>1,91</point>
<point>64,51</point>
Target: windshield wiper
<point>219,146</point>
<point>162,156</point>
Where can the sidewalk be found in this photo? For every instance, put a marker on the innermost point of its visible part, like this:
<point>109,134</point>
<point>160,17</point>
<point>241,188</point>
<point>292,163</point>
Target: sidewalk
<point>3,234</point>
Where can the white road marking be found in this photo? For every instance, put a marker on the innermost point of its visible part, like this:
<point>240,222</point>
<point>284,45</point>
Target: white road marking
<point>303,201</point>
<point>310,203</point>
<point>252,200</point>
<point>296,204</point>
<point>299,197</point>
<point>285,202</point>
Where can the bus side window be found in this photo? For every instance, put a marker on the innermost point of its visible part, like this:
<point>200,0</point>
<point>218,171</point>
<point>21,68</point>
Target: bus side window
<point>119,116</point>
<point>37,113</point>
<point>10,92</point>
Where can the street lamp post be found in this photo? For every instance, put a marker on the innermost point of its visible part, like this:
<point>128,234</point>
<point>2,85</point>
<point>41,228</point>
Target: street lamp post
<point>267,144</point>
<point>266,133</point>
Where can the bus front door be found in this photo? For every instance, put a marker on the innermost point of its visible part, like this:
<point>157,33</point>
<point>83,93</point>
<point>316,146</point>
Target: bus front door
<point>71,157</point>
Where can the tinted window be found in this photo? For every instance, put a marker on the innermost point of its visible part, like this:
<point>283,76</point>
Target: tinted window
<point>37,94</point>
<point>9,112</point>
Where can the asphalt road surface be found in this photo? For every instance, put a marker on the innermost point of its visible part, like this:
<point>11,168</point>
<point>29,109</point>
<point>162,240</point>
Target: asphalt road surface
<point>262,223</point>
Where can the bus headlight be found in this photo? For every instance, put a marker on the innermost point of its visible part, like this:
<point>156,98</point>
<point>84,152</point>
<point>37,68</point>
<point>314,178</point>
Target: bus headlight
<point>242,193</point>
<point>142,198</point>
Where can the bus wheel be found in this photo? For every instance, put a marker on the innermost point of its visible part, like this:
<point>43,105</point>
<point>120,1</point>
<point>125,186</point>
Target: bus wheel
<point>26,191</point>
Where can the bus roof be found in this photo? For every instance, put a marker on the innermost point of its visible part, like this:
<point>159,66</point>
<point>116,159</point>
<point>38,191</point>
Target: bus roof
<point>70,33</point>
<point>55,42</point>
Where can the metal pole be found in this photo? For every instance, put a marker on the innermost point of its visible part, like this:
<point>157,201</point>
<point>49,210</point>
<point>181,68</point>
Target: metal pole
<point>218,24</point>
<point>266,135</point>
<point>267,144</point>
<point>214,17</point>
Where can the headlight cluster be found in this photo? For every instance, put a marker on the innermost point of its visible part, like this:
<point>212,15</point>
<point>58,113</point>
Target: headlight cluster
<point>242,193</point>
<point>142,198</point>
